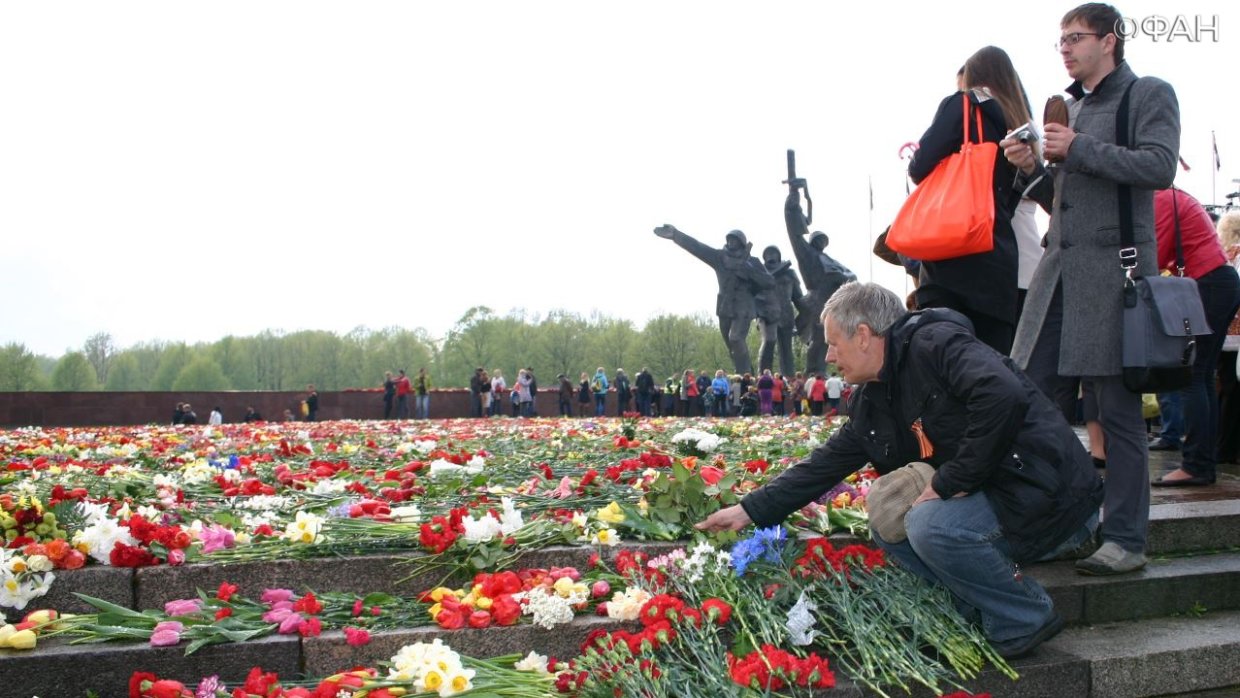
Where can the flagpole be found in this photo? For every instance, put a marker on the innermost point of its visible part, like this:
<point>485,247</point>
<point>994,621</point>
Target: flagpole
<point>1214,170</point>
<point>870,229</point>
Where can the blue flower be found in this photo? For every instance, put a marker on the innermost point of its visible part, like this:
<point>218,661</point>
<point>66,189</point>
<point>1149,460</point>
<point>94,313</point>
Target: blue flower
<point>765,544</point>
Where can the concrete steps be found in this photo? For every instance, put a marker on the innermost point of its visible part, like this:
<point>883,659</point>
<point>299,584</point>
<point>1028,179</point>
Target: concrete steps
<point>1126,638</point>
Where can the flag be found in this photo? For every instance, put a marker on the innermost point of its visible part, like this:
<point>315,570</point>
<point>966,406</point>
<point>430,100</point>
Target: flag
<point>1184,165</point>
<point>1217,165</point>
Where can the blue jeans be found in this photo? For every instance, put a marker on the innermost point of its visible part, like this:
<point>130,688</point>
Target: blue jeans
<point>422,406</point>
<point>1171,417</point>
<point>958,543</point>
<point>643,404</point>
<point>600,404</point>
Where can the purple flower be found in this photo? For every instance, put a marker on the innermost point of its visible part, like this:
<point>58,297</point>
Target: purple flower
<point>209,687</point>
<point>182,607</point>
<point>166,633</point>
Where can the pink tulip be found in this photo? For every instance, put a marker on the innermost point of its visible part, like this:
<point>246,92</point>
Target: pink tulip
<point>216,537</point>
<point>166,634</point>
<point>273,595</point>
<point>291,624</point>
<point>278,615</point>
<point>183,607</point>
<point>600,588</point>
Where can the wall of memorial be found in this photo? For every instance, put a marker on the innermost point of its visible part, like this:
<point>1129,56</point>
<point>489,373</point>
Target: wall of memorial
<point>64,409</point>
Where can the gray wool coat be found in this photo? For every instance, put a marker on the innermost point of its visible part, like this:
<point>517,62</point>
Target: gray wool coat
<point>1081,194</point>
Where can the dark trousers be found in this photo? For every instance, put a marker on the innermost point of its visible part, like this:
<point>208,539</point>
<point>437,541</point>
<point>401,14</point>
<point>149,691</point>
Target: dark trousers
<point>1220,296</point>
<point>1127,501</point>
<point>643,404</point>
<point>387,406</point>
<point>1229,409</point>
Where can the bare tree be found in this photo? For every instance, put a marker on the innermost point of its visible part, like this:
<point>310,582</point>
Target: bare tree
<point>99,351</point>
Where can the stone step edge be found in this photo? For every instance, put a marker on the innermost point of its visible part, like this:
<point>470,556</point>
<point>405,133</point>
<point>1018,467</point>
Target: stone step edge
<point>1132,658</point>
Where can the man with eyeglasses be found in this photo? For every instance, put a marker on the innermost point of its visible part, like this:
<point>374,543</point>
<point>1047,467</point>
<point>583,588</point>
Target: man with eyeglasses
<point>1070,333</point>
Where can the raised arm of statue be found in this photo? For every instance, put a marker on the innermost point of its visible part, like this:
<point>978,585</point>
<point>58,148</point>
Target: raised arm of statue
<point>806,255</point>
<point>707,254</point>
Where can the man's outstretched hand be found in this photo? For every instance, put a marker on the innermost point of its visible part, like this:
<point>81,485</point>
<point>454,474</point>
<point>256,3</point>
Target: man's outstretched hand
<point>665,231</point>
<point>731,518</point>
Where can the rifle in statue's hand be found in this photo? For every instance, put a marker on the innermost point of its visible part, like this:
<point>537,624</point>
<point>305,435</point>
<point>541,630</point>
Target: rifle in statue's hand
<point>797,184</point>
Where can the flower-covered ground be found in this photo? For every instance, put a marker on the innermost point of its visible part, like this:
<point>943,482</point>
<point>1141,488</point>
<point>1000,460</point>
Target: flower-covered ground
<point>775,613</point>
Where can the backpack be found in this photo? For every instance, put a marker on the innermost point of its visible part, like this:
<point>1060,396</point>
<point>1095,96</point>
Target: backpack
<point>596,386</point>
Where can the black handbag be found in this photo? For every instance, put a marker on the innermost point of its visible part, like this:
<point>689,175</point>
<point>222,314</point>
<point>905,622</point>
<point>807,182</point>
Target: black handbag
<point>1163,315</point>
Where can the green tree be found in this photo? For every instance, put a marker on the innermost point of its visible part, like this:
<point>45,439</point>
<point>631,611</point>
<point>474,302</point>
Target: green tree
<point>616,343</point>
<point>235,356</point>
<point>564,337</point>
<point>19,369</point>
<point>125,373</point>
<point>172,361</point>
<point>668,344</point>
<point>201,373</point>
<point>74,373</point>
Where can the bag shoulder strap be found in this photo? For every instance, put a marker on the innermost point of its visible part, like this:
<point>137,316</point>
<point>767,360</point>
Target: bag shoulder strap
<point>968,108</point>
<point>1179,241</point>
<point>1127,251</point>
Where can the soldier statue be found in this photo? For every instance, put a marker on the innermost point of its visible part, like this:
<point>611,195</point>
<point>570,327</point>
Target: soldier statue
<point>777,312</point>
<point>822,275</point>
<point>741,278</point>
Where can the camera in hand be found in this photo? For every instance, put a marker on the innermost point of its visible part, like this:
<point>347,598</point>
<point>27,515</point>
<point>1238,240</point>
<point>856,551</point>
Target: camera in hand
<point>1025,133</point>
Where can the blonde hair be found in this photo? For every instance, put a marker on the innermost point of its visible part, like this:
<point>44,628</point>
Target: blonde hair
<point>1229,228</point>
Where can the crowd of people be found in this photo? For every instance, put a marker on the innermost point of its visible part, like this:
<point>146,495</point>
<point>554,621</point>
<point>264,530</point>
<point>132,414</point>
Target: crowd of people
<point>967,390</point>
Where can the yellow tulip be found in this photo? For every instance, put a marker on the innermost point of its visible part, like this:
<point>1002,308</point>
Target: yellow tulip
<point>22,640</point>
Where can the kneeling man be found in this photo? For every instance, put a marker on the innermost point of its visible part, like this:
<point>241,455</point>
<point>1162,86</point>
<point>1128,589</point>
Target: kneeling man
<point>1007,479</point>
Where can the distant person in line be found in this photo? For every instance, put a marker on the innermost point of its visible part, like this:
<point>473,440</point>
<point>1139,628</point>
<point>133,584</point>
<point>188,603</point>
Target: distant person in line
<point>422,393</point>
<point>835,389</point>
<point>475,393</point>
<point>217,417</point>
<point>312,403</point>
<point>485,394</point>
<point>288,416</point>
<point>566,395</point>
<point>252,415</point>
<point>599,386</point>
<point>624,392</point>
<point>178,414</point>
<point>584,396</point>
<point>499,387</point>
<point>389,394</point>
<point>644,382</point>
<point>187,415</point>
<point>403,388</point>
<point>533,408</point>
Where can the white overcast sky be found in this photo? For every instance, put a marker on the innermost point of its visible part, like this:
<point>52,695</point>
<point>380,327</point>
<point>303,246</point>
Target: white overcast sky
<point>184,171</point>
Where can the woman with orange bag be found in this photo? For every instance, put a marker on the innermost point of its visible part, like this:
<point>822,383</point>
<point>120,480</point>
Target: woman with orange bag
<point>980,286</point>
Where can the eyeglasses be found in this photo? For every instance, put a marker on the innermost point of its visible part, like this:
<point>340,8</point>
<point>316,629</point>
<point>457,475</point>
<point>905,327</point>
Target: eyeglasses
<point>1075,38</point>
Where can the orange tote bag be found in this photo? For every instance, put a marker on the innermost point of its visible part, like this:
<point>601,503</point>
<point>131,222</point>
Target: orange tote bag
<point>952,212</point>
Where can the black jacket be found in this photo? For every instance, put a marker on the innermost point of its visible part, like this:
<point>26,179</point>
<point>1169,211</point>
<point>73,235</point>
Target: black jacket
<point>984,283</point>
<point>990,428</point>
